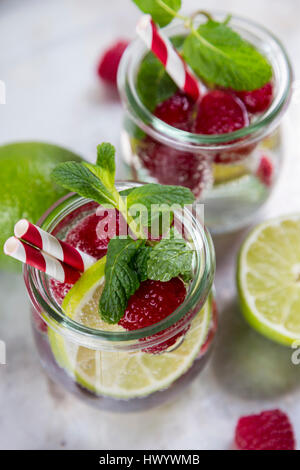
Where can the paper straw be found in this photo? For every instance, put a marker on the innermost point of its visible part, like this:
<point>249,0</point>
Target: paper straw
<point>42,261</point>
<point>162,47</point>
<point>53,246</point>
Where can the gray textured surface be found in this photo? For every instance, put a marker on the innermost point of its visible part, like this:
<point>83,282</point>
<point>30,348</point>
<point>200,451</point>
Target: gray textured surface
<point>48,54</point>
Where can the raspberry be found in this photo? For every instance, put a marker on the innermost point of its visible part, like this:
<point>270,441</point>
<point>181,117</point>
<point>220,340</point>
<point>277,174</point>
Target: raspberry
<point>40,324</point>
<point>109,63</point>
<point>86,234</point>
<point>219,113</point>
<point>265,171</point>
<point>151,303</point>
<point>175,167</point>
<point>269,430</point>
<point>257,101</point>
<point>176,111</point>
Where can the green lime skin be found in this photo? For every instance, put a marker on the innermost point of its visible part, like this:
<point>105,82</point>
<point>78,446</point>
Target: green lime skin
<point>27,189</point>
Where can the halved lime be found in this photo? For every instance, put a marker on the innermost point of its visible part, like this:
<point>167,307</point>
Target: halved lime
<point>120,374</point>
<point>268,279</point>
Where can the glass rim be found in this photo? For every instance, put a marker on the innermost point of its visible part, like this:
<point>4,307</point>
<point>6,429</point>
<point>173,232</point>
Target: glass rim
<point>56,318</point>
<point>163,131</point>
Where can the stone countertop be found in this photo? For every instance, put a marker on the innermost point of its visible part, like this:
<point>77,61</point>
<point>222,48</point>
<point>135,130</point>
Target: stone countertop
<point>48,55</point>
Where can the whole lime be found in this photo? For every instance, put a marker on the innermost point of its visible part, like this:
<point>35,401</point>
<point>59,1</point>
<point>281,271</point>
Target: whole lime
<point>26,187</point>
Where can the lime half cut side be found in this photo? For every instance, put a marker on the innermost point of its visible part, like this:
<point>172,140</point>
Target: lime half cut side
<point>268,279</point>
<point>120,374</point>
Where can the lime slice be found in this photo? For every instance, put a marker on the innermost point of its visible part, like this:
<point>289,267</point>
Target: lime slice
<point>268,279</point>
<point>120,374</point>
<point>223,172</point>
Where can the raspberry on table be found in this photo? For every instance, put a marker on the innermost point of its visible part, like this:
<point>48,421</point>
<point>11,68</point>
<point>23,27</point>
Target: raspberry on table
<point>151,303</point>
<point>259,100</point>
<point>269,430</point>
<point>109,63</point>
<point>176,111</point>
<point>220,112</point>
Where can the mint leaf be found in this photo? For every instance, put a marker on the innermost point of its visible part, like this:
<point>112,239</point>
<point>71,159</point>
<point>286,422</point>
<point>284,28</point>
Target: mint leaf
<point>159,9</point>
<point>78,178</point>
<point>154,85</point>
<point>159,194</point>
<point>140,262</point>
<point>156,194</point>
<point>170,258</point>
<point>121,279</point>
<point>106,161</point>
<point>221,57</point>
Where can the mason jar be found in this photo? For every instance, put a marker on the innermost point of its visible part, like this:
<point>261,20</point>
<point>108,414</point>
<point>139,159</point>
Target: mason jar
<point>232,174</point>
<point>124,370</point>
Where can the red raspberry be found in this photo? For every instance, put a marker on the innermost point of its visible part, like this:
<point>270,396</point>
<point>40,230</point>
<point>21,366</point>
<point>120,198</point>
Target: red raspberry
<point>175,167</point>
<point>257,101</point>
<point>109,63</point>
<point>151,303</point>
<point>86,234</point>
<point>219,113</point>
<point>176,111</point>
<point>40,324</point>
<point>269,430</point>
<point>265,171</point>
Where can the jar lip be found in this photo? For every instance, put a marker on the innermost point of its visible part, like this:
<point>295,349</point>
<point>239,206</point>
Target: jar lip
<point>35,281</point>
<point>157,128</point>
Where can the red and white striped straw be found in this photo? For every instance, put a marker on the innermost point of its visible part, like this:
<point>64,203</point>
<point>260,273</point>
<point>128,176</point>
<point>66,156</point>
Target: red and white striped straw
<point>42,261</point>
<point>162,47</point>
<point>53,246</point>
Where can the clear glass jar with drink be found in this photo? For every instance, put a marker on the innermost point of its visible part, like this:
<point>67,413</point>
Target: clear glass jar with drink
<point>118,367</point>
<point>232,167</point>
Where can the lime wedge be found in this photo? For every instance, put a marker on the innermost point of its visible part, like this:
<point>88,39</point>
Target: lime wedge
<point>268,279</point>
<point>120,374</point>
<point>223,173</point>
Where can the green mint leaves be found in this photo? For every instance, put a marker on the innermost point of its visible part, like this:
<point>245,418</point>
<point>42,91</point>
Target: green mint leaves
<point>216,53</point>
<point>160,10</point>
<point>153,84</point>
<point>168,258</point>
<point>219,56</point>
<point>121,279</point>
<point>171,257</point>
<point>91,181</point>
<point>77,177</point>
<point>129,262</point>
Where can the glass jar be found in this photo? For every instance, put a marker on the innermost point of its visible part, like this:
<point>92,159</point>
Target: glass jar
<point>232,174</point>
<point>124,370</point>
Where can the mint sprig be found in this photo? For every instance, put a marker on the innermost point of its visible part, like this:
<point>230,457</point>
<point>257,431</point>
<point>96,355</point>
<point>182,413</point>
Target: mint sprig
<point>219,56</point>
<point>216,53</point>
<point>129,261</point>
<point>121,280</point>
<point>161,11</point>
